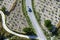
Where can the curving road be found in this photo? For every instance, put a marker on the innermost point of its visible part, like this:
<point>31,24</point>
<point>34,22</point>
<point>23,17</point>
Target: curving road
<point>38,29</point>
<point>8,30</point>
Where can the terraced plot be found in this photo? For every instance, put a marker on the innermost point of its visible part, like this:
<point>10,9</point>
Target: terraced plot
<point>16,20</point>
<point>48,10</point>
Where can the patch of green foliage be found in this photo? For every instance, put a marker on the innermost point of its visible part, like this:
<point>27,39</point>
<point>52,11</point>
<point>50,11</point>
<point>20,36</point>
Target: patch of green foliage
<point>3,9</point>
<point>48,24</point>
<point>29,31</point>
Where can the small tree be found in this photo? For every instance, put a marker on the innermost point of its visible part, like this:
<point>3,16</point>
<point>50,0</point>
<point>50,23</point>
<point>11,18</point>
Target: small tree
<point>29,31</point>
<point>47,23</point>
<point>3,9</point>
<point>51,27</point>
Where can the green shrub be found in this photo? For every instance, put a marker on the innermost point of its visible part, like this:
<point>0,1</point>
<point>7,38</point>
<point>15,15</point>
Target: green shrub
<point>29,31</point>
<point>48,24</point>
<point>3,9</point>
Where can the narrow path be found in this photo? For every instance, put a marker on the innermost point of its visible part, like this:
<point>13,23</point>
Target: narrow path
<point>8,30</point>
<point>38,29</point>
